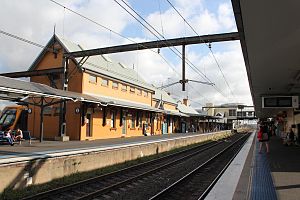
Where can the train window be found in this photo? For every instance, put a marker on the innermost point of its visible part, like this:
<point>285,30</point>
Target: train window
<point>8,117</point>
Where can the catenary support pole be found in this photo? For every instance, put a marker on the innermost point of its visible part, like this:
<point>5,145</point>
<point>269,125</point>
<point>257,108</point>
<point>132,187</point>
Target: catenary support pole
<point>183,67</point>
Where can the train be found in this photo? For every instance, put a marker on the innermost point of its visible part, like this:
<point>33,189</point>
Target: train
<point>13,117</point>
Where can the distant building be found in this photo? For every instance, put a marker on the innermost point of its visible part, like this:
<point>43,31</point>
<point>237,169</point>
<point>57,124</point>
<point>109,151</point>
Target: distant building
<point>229,114</point>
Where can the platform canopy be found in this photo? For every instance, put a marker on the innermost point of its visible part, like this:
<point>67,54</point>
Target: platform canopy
<point>21,91</point>
<point>269,34</point>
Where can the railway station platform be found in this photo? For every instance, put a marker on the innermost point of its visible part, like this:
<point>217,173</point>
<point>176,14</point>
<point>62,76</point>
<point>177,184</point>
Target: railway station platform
<point>37,162</point>
<point>26,151</point>
<point>253,175</point>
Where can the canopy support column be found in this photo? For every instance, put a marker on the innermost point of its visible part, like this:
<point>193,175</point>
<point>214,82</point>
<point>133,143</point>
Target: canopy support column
<point>42,120</point>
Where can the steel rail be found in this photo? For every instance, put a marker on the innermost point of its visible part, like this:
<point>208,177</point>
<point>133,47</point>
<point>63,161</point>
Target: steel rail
<point>116,185</point>
<point>61,189</point>
<point>190,174</point>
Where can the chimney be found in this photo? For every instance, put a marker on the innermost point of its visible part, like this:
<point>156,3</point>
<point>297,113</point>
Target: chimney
<point>186,102</point>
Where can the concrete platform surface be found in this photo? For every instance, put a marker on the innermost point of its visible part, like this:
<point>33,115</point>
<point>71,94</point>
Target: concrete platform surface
<point>284,162</point>
<point>26,151</point>
<point>263,176</point>
<point>226,185</point>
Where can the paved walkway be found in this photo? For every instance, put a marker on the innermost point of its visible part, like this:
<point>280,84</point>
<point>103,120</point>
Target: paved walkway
<point>284,163</point>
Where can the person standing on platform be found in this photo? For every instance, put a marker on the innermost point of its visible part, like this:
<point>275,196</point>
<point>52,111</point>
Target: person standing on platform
<point>264,137</point>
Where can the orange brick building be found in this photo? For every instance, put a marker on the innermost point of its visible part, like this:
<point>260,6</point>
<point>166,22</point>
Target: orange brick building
<point>131,107</point>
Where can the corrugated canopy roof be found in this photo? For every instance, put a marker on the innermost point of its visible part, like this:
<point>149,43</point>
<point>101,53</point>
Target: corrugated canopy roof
<point>22,88</point>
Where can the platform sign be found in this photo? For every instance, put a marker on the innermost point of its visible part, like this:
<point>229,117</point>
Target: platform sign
<point>280,102</point>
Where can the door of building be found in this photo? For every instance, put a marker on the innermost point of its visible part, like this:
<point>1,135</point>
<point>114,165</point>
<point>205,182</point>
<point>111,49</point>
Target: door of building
<point>183,127</point>
<point>88,125</point>
<point>124,128</point>
<point>164,127</point>
<point>171,125</point>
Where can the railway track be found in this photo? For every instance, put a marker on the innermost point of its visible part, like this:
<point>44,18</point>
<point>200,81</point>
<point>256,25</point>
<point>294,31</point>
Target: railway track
<point>144,180</point>
<point>107,182</point>
<point>197,183</point>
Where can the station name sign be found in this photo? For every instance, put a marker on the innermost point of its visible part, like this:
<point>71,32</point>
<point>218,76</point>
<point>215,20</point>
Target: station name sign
<point>280,102</point>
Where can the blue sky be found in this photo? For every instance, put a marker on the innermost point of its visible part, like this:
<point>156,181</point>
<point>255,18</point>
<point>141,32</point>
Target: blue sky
<point>34,20</point>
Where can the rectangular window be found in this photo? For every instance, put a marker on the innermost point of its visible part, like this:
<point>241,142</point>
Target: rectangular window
<point>124,88</point>
<point>115,85</point>
<point>104,82</point>
<point>113,119</point>
<point>93,78</point>
<point>139,91</point>
<point>132,90</point>
<point>232,112</point>
<point>145,94</point>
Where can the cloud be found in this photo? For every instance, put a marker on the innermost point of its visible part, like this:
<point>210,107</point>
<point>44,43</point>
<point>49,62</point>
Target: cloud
<point>197,15</point>
<point>34,20</point>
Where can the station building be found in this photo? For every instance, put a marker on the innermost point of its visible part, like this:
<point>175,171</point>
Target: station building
<point>130,106</point>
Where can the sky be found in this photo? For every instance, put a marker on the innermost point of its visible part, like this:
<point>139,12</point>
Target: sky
<point>35,20</point>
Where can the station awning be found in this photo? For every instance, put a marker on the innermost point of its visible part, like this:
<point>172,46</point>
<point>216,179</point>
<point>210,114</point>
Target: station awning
<point>19,90</point>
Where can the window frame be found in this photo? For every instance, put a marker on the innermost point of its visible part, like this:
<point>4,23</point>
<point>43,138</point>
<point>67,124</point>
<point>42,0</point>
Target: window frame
<point>124,89</point>
<point>132,89</point>
<point>146,94</point>
<point>92,81</point>
<point>107,82</point>
<point>114,83</point>
<point>139,92</point>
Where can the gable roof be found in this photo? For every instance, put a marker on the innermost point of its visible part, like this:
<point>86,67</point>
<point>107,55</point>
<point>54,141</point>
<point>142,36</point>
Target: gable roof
<point>162,95</point>
<point>187,109</point>
<point>97,64</point>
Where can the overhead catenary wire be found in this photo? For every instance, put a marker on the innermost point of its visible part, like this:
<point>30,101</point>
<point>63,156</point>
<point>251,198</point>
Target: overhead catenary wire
<point>209,47</point>
<point>179,54</point>
<point>93,21</point>
<point>49,49</point>
<point>21,39</point>
<point>106,28</point>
